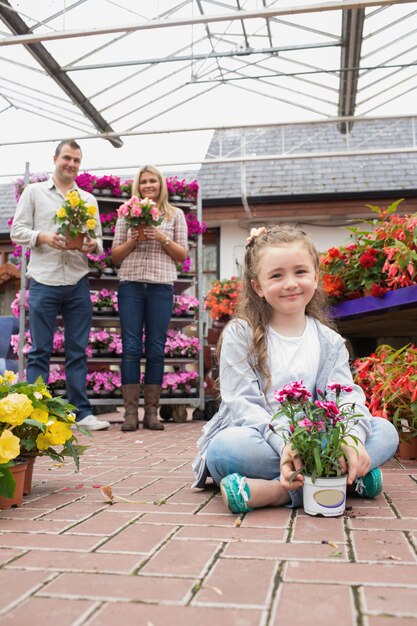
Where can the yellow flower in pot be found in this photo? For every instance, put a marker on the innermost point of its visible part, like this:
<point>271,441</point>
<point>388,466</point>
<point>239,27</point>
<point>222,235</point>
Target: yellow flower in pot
<point>32,422</point>
<point>75,219</point>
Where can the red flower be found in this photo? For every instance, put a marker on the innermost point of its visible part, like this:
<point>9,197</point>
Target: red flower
<point>378,291</point>
<point>369,257</point>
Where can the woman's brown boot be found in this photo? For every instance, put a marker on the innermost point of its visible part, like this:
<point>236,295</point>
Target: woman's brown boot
<point>131,402</point>
<point>152,394</point>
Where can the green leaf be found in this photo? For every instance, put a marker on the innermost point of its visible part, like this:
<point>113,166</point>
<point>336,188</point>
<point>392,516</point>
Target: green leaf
<point>318,462</point>
<point>7,483</point>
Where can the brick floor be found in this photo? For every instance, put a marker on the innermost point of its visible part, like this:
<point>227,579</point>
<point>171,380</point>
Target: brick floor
<point>176,556</point>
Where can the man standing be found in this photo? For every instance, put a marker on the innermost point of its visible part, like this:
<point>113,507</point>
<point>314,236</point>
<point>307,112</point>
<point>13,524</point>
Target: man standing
<point>58,279</point>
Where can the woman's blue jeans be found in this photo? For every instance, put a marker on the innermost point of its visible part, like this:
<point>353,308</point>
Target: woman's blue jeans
<point>243,450</point>
<point>144,307</point>
<point>74,304</point>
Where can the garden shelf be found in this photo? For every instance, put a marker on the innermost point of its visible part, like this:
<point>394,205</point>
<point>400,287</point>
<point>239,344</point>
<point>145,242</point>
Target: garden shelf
<point>393,315</point>
<point>193,282</point>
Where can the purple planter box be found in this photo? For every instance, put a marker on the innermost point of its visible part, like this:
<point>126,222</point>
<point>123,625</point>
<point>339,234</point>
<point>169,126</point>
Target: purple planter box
<point>398,299</point>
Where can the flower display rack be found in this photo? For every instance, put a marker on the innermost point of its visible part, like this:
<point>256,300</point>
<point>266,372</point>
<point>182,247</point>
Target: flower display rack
<point>180,321</point>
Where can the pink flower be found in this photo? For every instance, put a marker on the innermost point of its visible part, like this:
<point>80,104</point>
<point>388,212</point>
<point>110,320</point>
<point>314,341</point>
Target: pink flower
<point>293,392</point>
<point>338,388</point>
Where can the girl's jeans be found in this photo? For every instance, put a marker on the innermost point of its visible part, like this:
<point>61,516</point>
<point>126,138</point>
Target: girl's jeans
<point>243,450</point>
<point>144,307</point>
<point>74,304</point>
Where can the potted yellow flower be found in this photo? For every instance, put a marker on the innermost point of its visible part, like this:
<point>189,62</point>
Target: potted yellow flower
<point>32,422</point>
<point>75,219</point>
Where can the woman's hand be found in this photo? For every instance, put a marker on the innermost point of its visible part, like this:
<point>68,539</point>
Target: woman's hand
<point>357,462</point>
<point>154,234</point>
<point>290,463</point>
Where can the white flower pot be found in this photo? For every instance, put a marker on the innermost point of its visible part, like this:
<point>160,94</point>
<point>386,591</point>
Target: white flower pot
<point>326,496</point>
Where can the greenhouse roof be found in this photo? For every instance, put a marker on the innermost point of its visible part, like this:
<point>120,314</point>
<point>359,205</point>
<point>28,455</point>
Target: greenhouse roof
<point>95,69</point>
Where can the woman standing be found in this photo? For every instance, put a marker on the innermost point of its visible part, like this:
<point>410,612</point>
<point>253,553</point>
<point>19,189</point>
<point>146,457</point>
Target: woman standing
<point>146,295</point>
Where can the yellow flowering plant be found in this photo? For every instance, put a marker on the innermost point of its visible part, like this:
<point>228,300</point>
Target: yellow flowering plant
<point>33,422</point>
<point>75,216</point>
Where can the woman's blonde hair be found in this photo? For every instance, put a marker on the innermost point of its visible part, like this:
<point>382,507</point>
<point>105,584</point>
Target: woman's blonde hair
<point>164,205</point>
<point>256,310</point>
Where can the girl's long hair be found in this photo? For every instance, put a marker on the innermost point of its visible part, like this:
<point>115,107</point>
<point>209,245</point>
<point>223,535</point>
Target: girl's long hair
<point>163,204</point>
<point>256,310</point>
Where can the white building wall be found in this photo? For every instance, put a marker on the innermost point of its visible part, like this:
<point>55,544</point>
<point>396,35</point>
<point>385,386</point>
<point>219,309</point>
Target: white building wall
<point>233,241</point>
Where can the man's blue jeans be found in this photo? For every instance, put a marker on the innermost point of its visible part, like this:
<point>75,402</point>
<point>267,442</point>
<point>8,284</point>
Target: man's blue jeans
<point>74,304</point>
<point>144,307</point>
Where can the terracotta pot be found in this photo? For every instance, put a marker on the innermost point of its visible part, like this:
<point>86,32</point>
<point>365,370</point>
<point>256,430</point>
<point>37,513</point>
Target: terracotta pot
<point>326,496</point>
<point>27,487</point>
<point>75,243</point>
<point>141,233</point>
<point>408,449</point>
<point>18,472</point>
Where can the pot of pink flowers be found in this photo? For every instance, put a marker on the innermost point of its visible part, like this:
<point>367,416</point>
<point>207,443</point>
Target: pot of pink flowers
<point>104,302</point>
<point>185,306</point>
<point>179,345</point>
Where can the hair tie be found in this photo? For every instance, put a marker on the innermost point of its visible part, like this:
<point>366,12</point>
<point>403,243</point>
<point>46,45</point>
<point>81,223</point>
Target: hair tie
<point>254,233</point>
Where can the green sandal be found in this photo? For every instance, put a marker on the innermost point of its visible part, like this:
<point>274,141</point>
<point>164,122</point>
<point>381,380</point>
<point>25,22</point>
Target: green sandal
<point>235,493</point>
<point>370,485</point>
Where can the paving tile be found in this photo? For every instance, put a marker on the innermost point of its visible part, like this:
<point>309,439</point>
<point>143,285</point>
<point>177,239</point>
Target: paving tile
<point>130,614</point>
<point>162,517</point>
<point>48,542</point>
<point>374,546</point>
<point>386,620</point>
<point>113,587</point>
<point>138,538</point>
<point>327,605</point>
<point>390,601</point>
<point>232,533</point>
<point>9,554</point>
<point>351,573</point>
<point>102,524</point>
<point>274,517</point>
<point>286,551</point>
<point>16,586</point>
<point>74,512</point>
<point>182,558</point>
<point>382,524</point>
<point>310,528</point>
<point>75,562</point>
<point>45,611</point>
<point>33,526</point>
<point>232,582</point>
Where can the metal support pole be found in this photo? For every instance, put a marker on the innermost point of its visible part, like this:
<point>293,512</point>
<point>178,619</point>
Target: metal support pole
<point>22,307</point>
<point>199,270</point>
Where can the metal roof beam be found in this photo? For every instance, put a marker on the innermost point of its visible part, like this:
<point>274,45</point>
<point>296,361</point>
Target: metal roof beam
<point>47,61</point>
<point>334,5</point>
<point>352,30</point>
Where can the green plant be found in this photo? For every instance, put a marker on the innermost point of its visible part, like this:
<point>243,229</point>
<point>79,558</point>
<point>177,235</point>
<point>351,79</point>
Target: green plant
<point>32,421</point>
<point>75,216</point>
<point>389,380</point>
<point>377,260</point>
<point>317,429</point>
<point>222,297</point>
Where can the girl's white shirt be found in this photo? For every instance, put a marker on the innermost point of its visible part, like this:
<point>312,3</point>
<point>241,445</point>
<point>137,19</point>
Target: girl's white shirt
<point>293,358</point>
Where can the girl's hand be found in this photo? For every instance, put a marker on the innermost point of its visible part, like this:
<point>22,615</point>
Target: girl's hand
<point>357,462</point>
<point>290,463</point>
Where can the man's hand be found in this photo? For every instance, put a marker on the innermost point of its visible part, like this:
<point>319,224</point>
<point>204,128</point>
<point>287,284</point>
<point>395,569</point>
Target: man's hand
<point>89,245</point>
<point>54,240</point>
<point>357,462</point>
<point>290,462</point>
